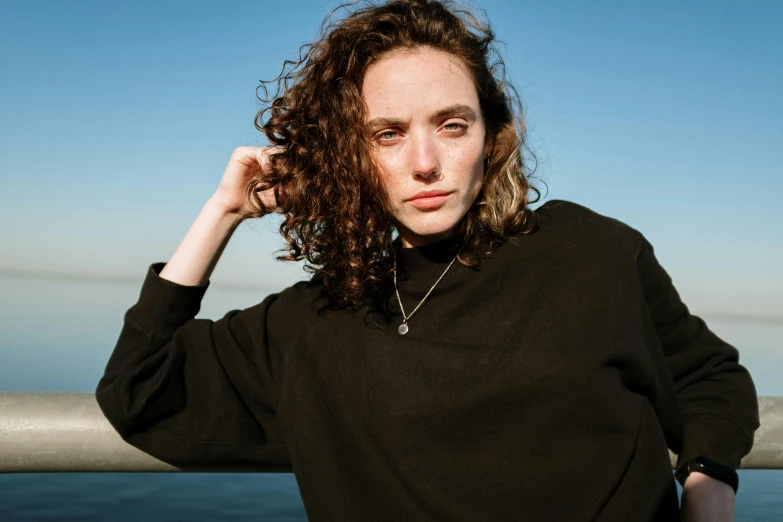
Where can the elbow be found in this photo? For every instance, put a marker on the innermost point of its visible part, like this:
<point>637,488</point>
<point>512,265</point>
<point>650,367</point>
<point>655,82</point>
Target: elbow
<point>106,397</point>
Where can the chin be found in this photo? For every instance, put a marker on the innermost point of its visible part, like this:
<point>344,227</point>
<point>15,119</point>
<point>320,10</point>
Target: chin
<point>430,231</point>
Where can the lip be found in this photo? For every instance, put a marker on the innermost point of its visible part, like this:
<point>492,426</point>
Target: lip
<point>427,199</point>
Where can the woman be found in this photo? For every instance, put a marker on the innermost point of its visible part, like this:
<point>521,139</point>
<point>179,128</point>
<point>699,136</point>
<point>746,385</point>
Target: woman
<point>490,363</point>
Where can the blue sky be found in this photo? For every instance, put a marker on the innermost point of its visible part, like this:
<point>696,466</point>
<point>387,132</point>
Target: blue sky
<point>117,119</point>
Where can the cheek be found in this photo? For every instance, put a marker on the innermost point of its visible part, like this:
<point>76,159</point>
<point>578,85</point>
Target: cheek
<point>389,172</point>
<point>474,168</point>
<point>469,157</point>
<point>476,178</point>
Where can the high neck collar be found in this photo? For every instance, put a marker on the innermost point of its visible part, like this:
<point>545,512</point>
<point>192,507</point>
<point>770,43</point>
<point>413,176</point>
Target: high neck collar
<point>428,262</point>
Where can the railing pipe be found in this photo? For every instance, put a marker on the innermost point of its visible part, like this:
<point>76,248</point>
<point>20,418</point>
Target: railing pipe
<point>50,432</point>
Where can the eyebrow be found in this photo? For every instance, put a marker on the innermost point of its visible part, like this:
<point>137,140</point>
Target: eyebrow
<point>455,111</point>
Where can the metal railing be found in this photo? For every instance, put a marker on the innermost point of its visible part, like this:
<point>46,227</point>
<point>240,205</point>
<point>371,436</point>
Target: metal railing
<point>46,432</point>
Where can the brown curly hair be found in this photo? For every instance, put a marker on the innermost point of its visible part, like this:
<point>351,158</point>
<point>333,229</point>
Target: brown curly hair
<point>333,200</point>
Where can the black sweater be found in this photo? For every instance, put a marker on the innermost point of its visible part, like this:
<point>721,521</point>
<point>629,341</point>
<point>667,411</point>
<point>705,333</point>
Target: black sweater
<point>546,384</point>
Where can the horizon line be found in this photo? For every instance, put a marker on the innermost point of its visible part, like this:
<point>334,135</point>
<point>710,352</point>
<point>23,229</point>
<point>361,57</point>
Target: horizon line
<point>771,320</point>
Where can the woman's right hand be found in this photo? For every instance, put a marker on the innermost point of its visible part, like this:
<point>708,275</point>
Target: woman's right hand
<point>246,163</point>
<point>198,253</point>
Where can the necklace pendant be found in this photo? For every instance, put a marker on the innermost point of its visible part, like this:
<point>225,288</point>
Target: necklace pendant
<point>402,329</point>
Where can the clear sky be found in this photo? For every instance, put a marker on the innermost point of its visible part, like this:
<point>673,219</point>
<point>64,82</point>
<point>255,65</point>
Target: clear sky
<point>117,119</point>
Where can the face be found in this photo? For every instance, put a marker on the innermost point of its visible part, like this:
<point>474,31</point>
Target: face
<point>428,138</point>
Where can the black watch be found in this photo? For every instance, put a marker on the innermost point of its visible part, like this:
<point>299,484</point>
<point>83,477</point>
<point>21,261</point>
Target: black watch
<point>710,468</point>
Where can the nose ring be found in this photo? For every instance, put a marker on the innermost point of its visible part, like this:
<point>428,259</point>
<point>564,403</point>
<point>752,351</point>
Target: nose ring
<point>440,170</point>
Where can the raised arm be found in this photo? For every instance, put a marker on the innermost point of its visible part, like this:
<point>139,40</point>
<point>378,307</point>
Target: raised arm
<point>196,257</point>
<point>194,392</point>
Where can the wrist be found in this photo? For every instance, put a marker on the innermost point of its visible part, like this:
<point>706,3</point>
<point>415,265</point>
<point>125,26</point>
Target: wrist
<point>708,468</point>
<point>696,479</point>
<point>216,211</point>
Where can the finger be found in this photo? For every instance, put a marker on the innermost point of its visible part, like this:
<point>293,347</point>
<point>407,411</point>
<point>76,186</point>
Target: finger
<point>265,154</point>
<point>251,157</point>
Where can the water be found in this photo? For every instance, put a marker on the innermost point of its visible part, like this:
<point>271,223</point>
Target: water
<point>57,334</point>
<point>149,496</point>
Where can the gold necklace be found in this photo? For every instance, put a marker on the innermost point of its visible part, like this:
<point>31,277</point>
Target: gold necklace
<point>403,328</point>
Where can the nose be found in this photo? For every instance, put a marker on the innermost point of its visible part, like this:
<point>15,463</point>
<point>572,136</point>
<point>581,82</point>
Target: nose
<point>424,160</point>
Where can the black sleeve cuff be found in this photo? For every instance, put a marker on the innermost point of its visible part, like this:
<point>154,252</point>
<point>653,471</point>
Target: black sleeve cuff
<point>164,305</point>
<point>713,437</point>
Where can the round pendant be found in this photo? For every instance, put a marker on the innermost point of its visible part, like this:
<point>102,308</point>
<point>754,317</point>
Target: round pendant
<point>402,329</point>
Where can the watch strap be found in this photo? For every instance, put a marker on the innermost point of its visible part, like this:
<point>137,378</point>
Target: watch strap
<point>711,468</point>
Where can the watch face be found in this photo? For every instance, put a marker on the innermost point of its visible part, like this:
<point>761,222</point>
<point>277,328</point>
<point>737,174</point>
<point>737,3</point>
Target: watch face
<point>715,467</point>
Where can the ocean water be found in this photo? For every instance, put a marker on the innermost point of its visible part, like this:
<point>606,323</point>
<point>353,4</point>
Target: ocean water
<point>56,335</point>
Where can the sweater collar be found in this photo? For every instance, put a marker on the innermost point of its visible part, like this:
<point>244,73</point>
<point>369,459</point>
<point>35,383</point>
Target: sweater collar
<point>426,263</point>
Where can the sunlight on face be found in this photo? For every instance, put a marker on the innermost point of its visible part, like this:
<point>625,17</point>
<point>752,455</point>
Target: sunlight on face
<point>429,139</point>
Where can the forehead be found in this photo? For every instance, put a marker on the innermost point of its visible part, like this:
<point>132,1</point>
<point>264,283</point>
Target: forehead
<point>407,83</point>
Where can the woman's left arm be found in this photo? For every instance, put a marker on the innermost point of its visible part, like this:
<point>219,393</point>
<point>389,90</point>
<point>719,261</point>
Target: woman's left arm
<point>716,396</point>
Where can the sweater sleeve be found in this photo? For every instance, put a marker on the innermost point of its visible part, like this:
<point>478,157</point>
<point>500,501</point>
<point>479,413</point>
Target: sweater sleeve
<point>716,395</point>
<point>193,392</point>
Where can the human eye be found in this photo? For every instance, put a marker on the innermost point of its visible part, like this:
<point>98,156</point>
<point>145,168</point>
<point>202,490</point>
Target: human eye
<point>386,136</point>
<point>454,126</point>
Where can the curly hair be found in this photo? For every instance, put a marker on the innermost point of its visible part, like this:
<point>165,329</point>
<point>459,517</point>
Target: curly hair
<point>336,214</point>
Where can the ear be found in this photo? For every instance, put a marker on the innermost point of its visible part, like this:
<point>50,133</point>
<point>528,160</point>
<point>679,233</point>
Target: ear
<point>489,144</point>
